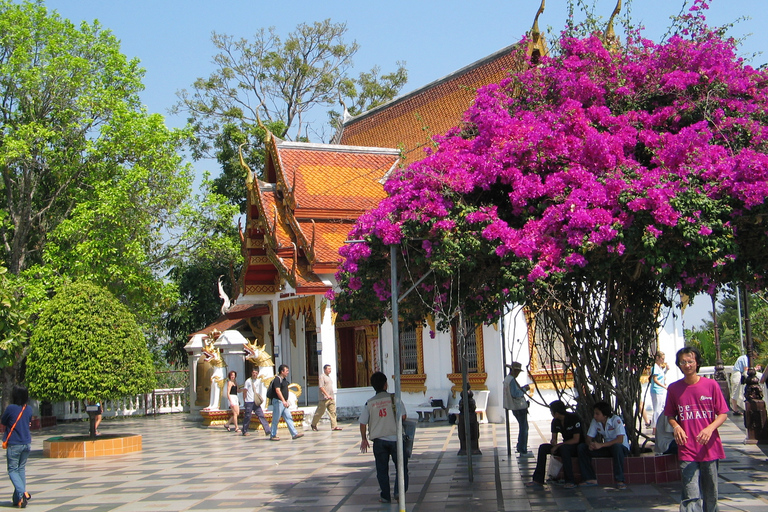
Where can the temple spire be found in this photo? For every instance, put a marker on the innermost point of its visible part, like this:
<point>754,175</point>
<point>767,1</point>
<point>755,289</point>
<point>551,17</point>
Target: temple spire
<point>536,45</point>
<point>610,34</point>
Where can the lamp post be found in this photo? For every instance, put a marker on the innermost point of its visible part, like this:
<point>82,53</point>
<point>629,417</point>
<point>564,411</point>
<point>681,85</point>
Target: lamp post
<point>396,355</point>
<point>720,377</point>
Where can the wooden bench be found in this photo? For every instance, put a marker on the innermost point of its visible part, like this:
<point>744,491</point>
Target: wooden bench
<point>427,411</point>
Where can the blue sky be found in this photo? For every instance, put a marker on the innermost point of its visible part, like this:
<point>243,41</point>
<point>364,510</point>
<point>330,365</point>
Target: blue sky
<point>434,38</point>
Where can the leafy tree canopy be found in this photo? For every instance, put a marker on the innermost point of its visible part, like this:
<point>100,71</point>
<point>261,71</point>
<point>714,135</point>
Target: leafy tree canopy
<point>276,82</point>
<point>87,346</point>
<point>92,184</point>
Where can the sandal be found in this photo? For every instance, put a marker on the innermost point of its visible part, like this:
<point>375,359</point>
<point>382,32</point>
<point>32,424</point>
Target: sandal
<point>534,483</point>
<point>569,485</point>
<point>587,484</point>
<point>227,427</point>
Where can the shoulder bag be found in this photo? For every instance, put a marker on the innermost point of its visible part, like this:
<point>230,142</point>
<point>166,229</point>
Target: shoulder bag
<point>257,398</point>
<point>5,443</point>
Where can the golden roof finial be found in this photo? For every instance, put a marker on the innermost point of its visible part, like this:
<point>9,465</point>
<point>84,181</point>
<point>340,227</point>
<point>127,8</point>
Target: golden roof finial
<point>535,28</point>
<point>248,172</point>
<point>610,35</point>
<point>536,45</point>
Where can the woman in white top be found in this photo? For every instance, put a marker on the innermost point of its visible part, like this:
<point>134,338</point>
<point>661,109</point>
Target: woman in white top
<point>658,387</point>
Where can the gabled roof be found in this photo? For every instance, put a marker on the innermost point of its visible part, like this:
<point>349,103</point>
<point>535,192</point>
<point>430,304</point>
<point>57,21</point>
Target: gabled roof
<point>410,121</point>
<point>298,222</point>
<point>300,217</point>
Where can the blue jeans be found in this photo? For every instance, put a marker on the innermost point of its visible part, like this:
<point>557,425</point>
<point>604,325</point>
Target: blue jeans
<point>617,451</point>
<point>699,486</point>
<point>382,451</point>
<point>522,437</point>
<point>17,455</point>
<point>278,409</point>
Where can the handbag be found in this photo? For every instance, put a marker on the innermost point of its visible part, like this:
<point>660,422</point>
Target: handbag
<point>257,398</point>
<point>518,403</point>
<point>5,442</point>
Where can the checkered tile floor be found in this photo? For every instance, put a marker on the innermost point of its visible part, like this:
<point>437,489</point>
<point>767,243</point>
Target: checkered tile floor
<point>186,467</point>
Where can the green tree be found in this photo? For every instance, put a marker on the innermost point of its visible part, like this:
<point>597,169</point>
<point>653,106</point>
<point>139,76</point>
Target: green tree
<point>197,303</point>
<point>91,183</point>
<point>93,186</point>
<point>87,346</point>
<point>277,83</point>
<point>728,328</point>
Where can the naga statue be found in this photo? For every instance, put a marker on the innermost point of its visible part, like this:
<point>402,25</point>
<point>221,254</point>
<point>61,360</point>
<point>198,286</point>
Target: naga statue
<point>212,355</point>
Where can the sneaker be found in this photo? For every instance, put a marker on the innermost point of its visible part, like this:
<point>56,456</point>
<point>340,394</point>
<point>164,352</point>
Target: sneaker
<point>621,486</point>
<point>297,436</point>
<point>526,455</point>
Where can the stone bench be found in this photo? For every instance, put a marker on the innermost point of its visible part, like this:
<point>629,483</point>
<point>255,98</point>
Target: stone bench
<point>645,469</point>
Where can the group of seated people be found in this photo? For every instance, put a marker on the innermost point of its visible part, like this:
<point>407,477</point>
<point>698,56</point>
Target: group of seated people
<point>605,437</point>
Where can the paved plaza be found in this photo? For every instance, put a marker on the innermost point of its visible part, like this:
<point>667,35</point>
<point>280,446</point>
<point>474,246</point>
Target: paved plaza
<point>184,466</point>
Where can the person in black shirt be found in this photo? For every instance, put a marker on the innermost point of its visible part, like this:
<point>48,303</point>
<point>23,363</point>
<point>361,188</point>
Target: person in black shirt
<point>568,425</point>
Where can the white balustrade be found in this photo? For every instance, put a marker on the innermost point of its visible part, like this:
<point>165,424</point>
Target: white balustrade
<point>160,401</point>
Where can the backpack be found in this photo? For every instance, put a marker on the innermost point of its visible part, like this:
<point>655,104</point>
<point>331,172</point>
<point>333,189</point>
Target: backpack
<point>271,393</point>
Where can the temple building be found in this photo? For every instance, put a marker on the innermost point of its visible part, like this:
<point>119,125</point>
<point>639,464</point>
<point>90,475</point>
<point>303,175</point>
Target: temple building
<point>299,215</point>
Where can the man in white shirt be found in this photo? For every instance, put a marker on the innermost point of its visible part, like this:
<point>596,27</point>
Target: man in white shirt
<point>615,444</point>
<point>326,401</point>
<point>249,398</point>
<point>381,421</point>
<point>740,368</point>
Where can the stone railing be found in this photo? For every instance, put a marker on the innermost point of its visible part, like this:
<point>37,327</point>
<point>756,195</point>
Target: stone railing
<point>160,401</point>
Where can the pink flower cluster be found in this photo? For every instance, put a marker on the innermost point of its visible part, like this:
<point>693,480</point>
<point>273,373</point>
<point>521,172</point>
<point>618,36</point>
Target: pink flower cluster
<point>650,153</point>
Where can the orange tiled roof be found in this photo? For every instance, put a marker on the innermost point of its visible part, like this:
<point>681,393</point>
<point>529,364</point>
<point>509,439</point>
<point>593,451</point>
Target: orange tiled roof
<point>297,224</point>
<point>412,120</point>
<point>334,178</point>
<point>328,237</point>
<point>319,190</point>
<point>222,324</point>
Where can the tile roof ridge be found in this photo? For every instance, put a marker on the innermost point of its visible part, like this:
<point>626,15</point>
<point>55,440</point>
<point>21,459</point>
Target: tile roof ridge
<point>321,146</point>
<point>459,72</point>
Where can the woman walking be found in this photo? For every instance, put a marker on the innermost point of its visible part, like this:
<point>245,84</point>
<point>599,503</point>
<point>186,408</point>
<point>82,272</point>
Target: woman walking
<point>234,404</point>
<point>17,440</point>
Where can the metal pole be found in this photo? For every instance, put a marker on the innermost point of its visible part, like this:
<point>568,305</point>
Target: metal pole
<point>738,309</point>
<point>396,355</point>
<point>504,369</point>
<point>462,348</point>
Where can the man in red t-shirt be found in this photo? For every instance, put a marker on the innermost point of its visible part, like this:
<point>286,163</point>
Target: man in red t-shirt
<point>696,408</point>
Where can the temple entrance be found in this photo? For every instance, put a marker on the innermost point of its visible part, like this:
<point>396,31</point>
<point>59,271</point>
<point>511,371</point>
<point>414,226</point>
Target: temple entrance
<point>356,349</point>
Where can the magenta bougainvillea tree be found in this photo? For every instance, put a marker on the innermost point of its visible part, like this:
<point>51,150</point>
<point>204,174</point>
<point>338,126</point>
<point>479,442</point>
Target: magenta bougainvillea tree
<point>608,174</point>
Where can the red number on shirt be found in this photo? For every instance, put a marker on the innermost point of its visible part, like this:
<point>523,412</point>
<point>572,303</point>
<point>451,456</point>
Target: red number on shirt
<point>382,413</point>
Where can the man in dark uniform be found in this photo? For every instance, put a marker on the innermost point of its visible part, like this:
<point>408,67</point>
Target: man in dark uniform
<point>568,425</point>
